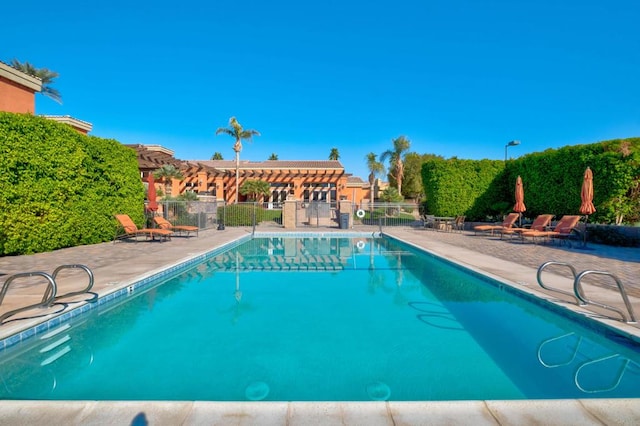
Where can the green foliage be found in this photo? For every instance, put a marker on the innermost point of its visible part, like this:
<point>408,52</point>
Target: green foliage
<point>45,75</point>
<point>255,189</point>
<point>552,181</point>
<point>243,214</point>
<point>463,187</point>
<point>167,173</point>
<point>412,187</point>
<point>391,195</point>
<point>59,188</point>
<point>334,154</point>
<point>395,156</point>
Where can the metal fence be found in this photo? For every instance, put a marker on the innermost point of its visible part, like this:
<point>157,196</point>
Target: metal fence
<point>388,214</point>
<point>218,214</point>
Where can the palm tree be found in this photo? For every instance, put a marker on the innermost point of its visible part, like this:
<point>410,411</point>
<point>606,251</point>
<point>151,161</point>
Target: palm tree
<point>45,75</point>
<point>236,131</point>
<point>273,156</point>
<point>255,189</point>
<point>217,156</point>
<point>400,145</point>
<point>167,172</point>
<point>334,155</point>
<point>375,167</point>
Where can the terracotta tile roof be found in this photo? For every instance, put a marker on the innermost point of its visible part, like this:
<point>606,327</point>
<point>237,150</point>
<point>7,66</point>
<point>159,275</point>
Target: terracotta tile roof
<point>272,164</point>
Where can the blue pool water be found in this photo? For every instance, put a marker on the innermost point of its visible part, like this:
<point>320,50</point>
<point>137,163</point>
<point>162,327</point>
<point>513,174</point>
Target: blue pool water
<point>346,319</point>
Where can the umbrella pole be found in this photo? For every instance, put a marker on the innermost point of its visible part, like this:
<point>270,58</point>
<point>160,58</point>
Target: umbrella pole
<point>584,237</point>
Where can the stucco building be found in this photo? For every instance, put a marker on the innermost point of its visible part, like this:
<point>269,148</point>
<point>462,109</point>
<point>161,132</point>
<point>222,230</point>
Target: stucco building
<point>17,90</point>
<point>17,95</point>
<point>303,180</point>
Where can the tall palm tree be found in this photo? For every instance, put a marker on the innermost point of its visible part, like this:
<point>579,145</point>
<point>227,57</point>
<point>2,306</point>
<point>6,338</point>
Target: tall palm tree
<point>167,172</point>
<point>47,76</point>
<point>334,155</point>
<point>236,131</point>
<point>273,156</point>
<point>375,167</point>
<point>400,145</point>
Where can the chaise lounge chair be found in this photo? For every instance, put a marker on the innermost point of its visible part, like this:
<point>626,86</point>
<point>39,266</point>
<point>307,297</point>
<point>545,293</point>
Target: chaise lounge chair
<point>562,230</point>
<point>131,230</point>
<point>540,223</point>
<point>165,224</point>
<point>507,223</point>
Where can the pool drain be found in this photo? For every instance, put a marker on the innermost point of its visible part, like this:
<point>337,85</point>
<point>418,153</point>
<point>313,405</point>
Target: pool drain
<point>378,391</point>
<point>257,391</point>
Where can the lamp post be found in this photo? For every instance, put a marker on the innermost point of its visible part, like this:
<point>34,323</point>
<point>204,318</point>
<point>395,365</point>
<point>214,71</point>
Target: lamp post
<point>506,147</point>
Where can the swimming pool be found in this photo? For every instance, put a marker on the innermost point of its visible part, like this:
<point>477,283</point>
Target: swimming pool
<point>320,319</point>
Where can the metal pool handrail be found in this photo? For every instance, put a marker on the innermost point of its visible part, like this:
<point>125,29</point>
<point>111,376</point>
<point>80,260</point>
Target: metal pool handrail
<point>577,288</point>
<point>578,292</point>
<point>75,293</point>
<point>557,290</point>
<point>50,294</point>
<point>47,298</point>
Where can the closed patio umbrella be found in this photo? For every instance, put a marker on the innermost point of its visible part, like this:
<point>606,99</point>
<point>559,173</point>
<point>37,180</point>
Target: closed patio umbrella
<point>152,204</point>
<point>519,207</point>
<point>587,207</point>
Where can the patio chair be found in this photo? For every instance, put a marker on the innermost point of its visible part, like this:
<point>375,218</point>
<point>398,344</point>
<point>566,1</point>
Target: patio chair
<point>507,223</point>
<point>540,223</point>
<point>165,224</point>
<point>562,230</point>
<point>130,230</point>
<point>458,223</point>
<point>428,221</point>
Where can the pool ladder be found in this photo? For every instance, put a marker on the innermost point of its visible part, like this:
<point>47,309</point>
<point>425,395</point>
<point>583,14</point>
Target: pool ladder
<point>578,292</point>
<point>50,294</point>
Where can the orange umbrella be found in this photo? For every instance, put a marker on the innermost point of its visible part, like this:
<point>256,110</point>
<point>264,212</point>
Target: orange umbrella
<point>152,204</point>
<point>587,207</point>
<point>519,207</point>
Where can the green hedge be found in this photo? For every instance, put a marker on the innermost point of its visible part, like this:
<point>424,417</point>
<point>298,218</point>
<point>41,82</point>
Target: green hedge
<point>242,214</point>
<point>552,181</point>
<point>60,188</point>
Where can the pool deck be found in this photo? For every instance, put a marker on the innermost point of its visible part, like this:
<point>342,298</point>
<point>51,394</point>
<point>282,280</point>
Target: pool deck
<point>116,265</point>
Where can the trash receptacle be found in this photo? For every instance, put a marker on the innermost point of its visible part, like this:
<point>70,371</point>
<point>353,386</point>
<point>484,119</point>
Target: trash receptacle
<point>344,220</point>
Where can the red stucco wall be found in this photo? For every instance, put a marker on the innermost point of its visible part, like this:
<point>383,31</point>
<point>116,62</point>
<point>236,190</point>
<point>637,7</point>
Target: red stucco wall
<point>16,98</point>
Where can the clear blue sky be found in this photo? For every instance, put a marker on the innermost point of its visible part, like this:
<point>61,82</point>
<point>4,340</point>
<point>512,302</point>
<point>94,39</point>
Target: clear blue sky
<point>456,77</point>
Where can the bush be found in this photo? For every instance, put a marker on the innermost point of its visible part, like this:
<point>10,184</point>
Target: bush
<point>242,214</point>
<point>611,235</point>
<point>60,188</point>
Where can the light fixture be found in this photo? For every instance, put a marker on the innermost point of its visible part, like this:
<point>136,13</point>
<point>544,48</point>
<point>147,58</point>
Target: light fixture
<point>506,147</point>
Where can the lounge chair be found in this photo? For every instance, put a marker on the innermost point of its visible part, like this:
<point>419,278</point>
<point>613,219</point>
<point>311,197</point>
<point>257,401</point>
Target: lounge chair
<point>507,223</point>
<point>131,230</point>
<point>165,224</point>
<point>540,223</point>
<point>561,231</point>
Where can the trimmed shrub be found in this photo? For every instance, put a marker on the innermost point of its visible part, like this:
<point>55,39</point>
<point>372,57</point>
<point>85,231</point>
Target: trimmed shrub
<point>60,188</point>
